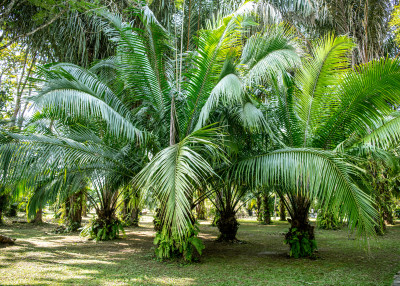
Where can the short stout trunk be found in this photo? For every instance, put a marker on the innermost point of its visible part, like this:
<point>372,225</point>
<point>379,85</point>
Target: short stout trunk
<point>84,205</point>
<point>282,210</point>
<point>131,209</point>
<point>3,206</point>
<point>6,240</point>
<point>38,216</point>
<point>105,227</point>
<point>227,226</point>
<point>266,209</point>
<point>301,238</point>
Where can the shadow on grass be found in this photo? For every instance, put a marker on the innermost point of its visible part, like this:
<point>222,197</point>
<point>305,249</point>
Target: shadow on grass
<point>48,259</point>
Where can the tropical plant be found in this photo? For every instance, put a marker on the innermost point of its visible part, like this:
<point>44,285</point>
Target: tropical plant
<point>151,104</point>
<point>104,140</point>
<point>319,115</point>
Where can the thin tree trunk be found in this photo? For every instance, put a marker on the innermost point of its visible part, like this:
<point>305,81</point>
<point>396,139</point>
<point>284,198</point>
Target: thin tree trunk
<point>172,127</point>
<point>18,98</point>
<point>21,117</point>
<point>188,27</point>
<point>21,87</point>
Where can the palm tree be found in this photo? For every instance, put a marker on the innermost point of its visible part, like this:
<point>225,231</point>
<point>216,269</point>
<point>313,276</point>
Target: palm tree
<point>319,115</point>
<point>145,95</point>
<point>233,103</point>
<point>140,102</point>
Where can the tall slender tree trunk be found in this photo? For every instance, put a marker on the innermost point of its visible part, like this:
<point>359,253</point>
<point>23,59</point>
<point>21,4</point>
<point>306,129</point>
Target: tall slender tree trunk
<point>188,27</point>
<point>21,86</point>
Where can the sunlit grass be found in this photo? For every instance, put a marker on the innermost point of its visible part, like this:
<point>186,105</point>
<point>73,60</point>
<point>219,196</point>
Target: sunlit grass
<point>40,258</point>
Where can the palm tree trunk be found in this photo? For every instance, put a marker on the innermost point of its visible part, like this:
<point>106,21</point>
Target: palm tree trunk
<point>84,205</point>
<point>259,211</point>
<point>73,208</point>
<point>201,207</point>
<point>301,238</point>
<point>201,210</point>
<point>3,205</point>
<point>282,210</point>
<point>266,209</point>
<point>134,217</point>
<point>227,226</point>
<point>39,216</point>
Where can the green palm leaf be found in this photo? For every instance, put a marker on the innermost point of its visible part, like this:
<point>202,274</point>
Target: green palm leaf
<point>315,174</point>
<point>176,171</point>
<point>72,90</point>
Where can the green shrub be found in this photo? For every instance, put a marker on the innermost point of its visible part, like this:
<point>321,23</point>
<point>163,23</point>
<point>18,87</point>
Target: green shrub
<point>173,246</point>
<point>301,245</point>
<point>12,210</point>
<point>103,229</point>
<point>329,221</point>
<point>397,212</point>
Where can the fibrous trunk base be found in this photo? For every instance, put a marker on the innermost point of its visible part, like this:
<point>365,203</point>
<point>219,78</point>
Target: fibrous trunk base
<point>228,227</point>
<point>301,239</point>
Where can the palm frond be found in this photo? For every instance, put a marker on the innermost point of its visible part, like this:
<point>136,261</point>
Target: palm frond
<point>77,92</point>
<point>315,174</point>
<point>268,55</point>
<point>365,96</point>
<point>317,79</point>
<point>174,173</point>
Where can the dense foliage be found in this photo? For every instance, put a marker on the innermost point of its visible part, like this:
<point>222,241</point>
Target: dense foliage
<point>144,106</point>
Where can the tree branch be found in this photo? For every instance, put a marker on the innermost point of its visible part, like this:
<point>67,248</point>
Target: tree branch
<point>35,30</point>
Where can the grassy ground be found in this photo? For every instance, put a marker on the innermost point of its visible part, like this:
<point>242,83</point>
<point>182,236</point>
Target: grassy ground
<point>40,258</point>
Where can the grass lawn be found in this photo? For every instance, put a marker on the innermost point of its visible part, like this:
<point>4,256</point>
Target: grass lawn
<point>39,258</point>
